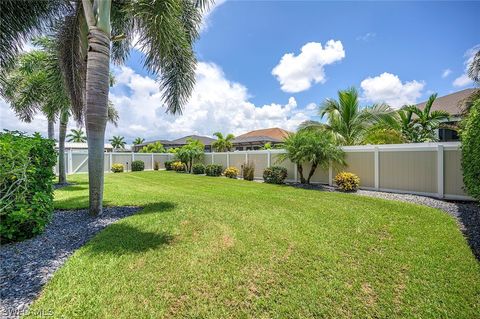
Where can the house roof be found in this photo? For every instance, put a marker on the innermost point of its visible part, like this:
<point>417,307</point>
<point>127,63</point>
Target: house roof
<point>183,140</point>
<point>452,103</point>
<point>151,142</point>
<point>274,134</point>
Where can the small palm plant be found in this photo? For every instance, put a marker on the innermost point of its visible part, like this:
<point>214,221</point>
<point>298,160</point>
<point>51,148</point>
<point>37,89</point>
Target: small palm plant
<point>138,141</point>
<point>118,142</point>
<point>223,143</point>
<point>77,136</point>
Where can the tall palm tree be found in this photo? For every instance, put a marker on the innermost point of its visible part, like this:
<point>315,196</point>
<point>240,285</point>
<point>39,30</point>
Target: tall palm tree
<point>77,136</point>
<point>166,29</point>
<point>138,140</point>
<point>347,119</point>
<point>474,68</point>
<point>426,120</point>
<point>223,143</point>
<point>118,142</point>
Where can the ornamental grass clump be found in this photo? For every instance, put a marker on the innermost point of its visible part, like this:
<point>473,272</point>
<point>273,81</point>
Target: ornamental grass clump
<point>117,168</point>
<point>275,175</point>
<point>26,185</point>
<point>231,172</point>
<point>248,171</point>
<point>156,166</point>
<point>347,182</point>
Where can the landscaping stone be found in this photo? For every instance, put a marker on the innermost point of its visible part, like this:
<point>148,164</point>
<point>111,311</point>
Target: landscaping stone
<point>26,266</point>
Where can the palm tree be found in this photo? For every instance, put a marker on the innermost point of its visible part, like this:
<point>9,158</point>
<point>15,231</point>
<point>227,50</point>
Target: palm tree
<point>426,120</point>
<point>138,140</point>
<point>223,144</point>
<point>347,119</point>
<point>77,136</point>
<point>474,68</point>
<point>118,142</point>
<point>166,30</point>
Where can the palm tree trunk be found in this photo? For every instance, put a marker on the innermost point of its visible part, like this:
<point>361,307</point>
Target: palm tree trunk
<point>62,132</point>
<point>97,85</point>
<point>300,171</point>
<point>51,129</point>
<point>312,171</point>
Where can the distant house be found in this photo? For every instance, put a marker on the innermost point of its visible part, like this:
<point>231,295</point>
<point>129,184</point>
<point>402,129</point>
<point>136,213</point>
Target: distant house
<point>179,142</point>
<point>453,104</point>
<point>255,140</point>
<point>82,147</point>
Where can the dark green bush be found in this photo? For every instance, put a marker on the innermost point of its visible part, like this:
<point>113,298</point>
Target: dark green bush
<point>26,185</point>
<point>168,165</point>
<point>275,175</point>
<point>471,151</point>
<point>214,170</point>
<point>198,168</point>
<point>248,171</point>
<point>138,166</point>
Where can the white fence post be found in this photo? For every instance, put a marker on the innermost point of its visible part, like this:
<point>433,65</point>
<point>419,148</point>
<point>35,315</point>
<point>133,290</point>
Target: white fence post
<point>330,174</point>
<point>213,155</point>
<point>110,161</point>
<point>70,162</point>
<point>246,157</point>
<point>377,168</point>
<point>269,158</point>
<point>440,171</point>
<point>295,172</point>
<point>152,161</point>
<point>228,159</point>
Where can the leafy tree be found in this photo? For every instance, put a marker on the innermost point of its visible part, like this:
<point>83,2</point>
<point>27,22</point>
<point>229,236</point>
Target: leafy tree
<point>346,119</point>
<point>189,153</point>
<point>90,35</point>
<point>156,147</point>
<point>118,142</point>
<point>223,143</point>
<point>77,136</point>
<point>318,147</point>
<point>138,140</point>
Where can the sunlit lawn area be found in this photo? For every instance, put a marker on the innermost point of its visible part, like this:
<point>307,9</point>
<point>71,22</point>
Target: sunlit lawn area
<point>208,247</point>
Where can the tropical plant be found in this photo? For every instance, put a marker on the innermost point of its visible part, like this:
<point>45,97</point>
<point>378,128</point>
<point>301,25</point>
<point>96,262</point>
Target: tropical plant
<point>347,182</point>
<point>198,168</point>
<point>77,136</point>
<point>231,172</point>
<point>248,171</point>
<point>377,134</point>
<point>267,146</point>
<point>118,142</point>
<point>470,136</point>
<point>138,140</point>
<point>319,147</point>
<point>346,119</point>
<point>178,166</point>
<point>156,147</point>
<point>190,152</point>
<point>213,170</point>
<point>275,175</point>
<point>168,165</point>
<point>138,166</point>
<point>223,143</point>
<point>156,166</point>
<point>90,34</point>
<point>474,68</point>
<point>117,168</point>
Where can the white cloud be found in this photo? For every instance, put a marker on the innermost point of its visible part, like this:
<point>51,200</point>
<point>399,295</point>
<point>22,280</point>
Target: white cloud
<point>388,88</point>
<point>464,80</point>
<point>298,73</point>
<point>366,37</point>
<point>446,73</point>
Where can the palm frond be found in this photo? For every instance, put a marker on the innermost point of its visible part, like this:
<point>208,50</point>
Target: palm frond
<point>112,114</point>
<point>474,68</point>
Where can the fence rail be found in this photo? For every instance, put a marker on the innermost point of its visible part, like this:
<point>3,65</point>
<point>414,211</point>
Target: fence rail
<point>431,169</point>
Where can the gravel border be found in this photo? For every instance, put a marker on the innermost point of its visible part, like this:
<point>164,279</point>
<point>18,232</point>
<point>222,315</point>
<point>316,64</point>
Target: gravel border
<point>466,213</point>
<point>26,266</point>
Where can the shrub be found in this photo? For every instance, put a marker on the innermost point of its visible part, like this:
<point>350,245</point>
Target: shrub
<point>471,151</point>
<point>231,172</point>
<point>248,171</point>
<point>198,168</point>
<point>156,166</point>
<point>117,168</point>
<point>213,170</point>
<point>138,166</point>
<point>178,166</point>
<point>26,185</point>
<point>347,182</point>
<point>275,175</point>
<point>168,165</point>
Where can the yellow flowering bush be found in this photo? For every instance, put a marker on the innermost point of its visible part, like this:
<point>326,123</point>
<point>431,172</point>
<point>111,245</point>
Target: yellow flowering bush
<point>178,166</point>
<point>347,182</point>
<point>231,172</point>
<point>117,168</point>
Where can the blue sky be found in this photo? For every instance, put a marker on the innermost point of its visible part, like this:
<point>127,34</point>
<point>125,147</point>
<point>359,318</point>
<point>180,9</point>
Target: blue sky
<point>253,72</point>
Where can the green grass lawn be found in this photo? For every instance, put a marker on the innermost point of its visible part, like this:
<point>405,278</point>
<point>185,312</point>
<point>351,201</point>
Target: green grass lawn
<point>209,247</point>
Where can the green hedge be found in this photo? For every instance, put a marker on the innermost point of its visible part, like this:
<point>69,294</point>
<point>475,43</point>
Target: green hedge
<point>138,166</point>
<point>198,168</point>
<point>275,175</point>
<point>214,170</point>
<point>168,165</point>
<point>26,185</point>
<point>471,151</point>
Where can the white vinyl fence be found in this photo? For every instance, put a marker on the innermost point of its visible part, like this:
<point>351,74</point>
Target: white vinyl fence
<point>431,169</point>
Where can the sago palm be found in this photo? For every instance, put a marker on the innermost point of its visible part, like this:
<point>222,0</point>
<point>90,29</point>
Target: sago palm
<point>118,142</point>
<point>93,33</point>
<point>346,119</point>
<point>77,136</point>
<point>223,143</point>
